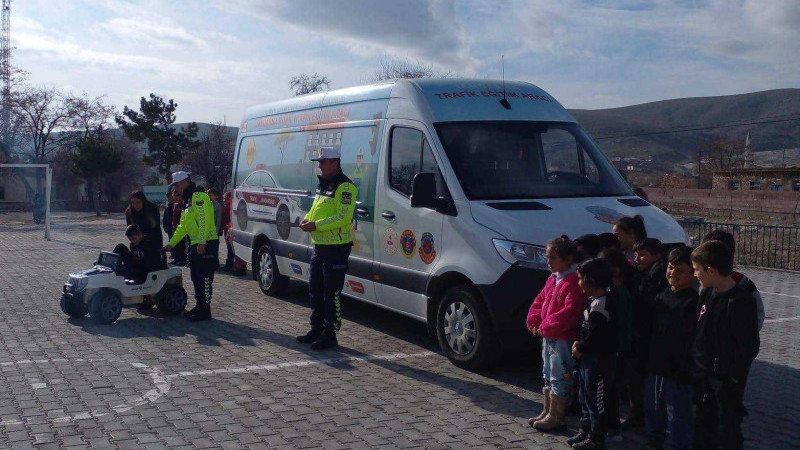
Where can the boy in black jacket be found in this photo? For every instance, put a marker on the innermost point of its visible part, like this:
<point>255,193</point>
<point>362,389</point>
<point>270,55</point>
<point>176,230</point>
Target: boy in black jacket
<point>668,389</point>
<point>726,343</point>
<point>141,258</point>
<point>595,351</point>
<point>652,268</point>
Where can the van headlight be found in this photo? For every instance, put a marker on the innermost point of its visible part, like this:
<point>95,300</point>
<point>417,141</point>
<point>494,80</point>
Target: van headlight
<point>528,255</point>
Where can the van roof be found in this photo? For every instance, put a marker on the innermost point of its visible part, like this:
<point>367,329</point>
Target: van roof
<point>448,99</point>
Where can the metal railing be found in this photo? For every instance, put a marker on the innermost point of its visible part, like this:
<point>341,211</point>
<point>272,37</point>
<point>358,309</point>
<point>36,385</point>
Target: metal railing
<point>770,246</point>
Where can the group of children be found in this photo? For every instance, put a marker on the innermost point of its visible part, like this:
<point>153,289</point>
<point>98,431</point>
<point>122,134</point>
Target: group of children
<point>671,331</point>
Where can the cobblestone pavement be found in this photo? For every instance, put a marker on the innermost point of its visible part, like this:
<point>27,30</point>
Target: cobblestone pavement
<point>241,380</point>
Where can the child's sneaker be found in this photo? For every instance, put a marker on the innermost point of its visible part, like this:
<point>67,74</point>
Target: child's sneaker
<point>589,444</point>
<point>580,437</point>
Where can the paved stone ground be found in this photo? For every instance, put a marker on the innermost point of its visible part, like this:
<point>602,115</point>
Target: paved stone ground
<point>241,380</point>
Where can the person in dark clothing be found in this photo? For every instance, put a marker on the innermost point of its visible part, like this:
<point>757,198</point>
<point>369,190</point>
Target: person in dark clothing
<point>627,288</point>
<point>609,241</point>
<point>180,249</point>
<point>166,219</point>
<point>595,350</point>
<point>668,388</point>
<point>141,258</point>
<point>589,246</point>
<point>726,343</point>
<point>146,215</point>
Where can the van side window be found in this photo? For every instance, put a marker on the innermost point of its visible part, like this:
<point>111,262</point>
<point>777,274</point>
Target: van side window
<point>405,158</point>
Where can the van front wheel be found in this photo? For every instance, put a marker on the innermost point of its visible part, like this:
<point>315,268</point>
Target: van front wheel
<point>464,329</point>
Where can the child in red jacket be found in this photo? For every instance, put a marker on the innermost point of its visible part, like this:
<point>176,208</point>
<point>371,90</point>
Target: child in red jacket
<point>555,316</point>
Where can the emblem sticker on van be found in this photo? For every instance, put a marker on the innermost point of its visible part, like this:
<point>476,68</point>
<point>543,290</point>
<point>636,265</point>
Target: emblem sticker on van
<point>604,214</point>
<point>390,241</point>
<point>355,286</point>
<point>427,251</point>
<point>408,243</point>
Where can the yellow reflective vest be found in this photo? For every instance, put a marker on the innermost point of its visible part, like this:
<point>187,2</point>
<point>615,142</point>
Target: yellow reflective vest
<point>197,221</point>
<point>332,211</point>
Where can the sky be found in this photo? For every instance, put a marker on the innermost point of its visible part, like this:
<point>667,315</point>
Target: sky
<point>215,58</point>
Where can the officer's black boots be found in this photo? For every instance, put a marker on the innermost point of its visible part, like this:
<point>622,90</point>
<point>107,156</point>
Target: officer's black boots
<point>202,312</point>
<point>326,340</point>
<point>190,312</point>
<point>310,337</point>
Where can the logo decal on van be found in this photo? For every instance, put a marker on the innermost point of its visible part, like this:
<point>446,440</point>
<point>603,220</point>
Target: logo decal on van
<point>355,286</point>
<point>408,243</point>
<point>296,268</point>
<point>604,214</point>
<point>427,251</point>
<point>251,152</point>
<point>390,241</point>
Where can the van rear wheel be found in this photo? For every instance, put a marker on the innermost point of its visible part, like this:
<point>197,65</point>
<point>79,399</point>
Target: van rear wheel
<point>464,329</point>
<point>269,277</point>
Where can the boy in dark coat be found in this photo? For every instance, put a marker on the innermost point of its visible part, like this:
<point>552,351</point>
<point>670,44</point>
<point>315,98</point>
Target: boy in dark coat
<point>668,389</point>
<point>726,343</point>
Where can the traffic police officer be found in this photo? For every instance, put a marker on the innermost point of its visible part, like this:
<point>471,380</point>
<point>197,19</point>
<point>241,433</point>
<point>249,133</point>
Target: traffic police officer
<point>328,221</point>
<point>197,221</point>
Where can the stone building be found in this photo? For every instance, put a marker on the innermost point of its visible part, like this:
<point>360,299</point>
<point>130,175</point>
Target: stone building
<point>758,179</point>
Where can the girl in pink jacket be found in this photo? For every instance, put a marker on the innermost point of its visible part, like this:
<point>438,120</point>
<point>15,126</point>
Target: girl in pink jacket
<point>555,316</point>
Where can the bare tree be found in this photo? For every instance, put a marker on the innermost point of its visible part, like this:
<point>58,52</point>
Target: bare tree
<point>39,113</point>
<point>305,84</point>
<point>88,116</point>
<point>718,154</point>
<point>131,176</point>
<point>212,159</point>
<point>391,67</point>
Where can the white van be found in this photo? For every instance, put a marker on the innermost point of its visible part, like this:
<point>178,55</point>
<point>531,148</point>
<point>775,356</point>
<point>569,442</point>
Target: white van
<point>459,192</point>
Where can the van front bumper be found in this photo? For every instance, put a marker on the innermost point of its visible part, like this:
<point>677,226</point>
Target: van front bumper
<point>508,300</point>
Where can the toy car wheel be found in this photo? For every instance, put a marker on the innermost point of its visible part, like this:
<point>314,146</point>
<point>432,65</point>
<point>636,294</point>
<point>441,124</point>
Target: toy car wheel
<point>241,215</point>
<point>73,310</point>
<point>269,277</point>
<point>105,307</point>
<point>172,301</point>
<point>283,222</point>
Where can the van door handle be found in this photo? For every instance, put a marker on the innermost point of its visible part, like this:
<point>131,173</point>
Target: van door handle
<point>362,212</point>
<point>388,215</point>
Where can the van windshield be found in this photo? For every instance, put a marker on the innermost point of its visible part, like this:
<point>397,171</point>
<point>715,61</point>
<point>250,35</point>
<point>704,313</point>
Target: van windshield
<point>496,160</point>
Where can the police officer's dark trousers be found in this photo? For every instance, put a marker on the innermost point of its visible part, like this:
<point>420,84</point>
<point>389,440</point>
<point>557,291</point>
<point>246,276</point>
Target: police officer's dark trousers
<point>326,280</point>
<point>202,270</point>
<point>596,379</point>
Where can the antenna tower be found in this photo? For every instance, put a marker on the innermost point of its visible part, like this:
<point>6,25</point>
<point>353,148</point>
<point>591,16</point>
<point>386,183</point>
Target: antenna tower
<point>5,72</point>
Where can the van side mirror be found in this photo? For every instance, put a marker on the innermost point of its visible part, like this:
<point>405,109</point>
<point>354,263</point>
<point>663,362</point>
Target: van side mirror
<point>423,191</point>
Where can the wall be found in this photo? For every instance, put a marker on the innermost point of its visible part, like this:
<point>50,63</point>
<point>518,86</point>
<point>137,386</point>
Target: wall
<point>747,206</point>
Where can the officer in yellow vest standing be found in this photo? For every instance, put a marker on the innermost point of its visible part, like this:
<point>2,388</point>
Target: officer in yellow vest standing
<point>328,221</point>
<point>197,221</point>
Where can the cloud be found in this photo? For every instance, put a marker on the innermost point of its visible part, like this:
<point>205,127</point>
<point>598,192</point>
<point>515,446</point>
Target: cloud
<point>153,32</point>
<point>427,30</point>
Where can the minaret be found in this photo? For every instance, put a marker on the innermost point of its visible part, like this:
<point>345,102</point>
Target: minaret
<point>748,155</point>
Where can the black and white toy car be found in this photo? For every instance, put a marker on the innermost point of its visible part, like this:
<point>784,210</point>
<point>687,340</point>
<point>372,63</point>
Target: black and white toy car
<point>102,291</point>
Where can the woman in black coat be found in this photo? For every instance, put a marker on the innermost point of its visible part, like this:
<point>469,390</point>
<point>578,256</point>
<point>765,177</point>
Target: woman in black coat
<point>146,215</point>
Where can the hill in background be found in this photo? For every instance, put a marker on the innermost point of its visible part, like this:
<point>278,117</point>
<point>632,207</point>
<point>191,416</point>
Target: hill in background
<point>681,147</point>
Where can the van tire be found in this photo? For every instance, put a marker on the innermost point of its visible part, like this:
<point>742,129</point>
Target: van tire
<point>105,306</point>
<point>462,319</point>
<point>267,273</point>
<point>283,222</point>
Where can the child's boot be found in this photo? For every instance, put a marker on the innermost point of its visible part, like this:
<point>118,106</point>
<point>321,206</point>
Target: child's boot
<point>590,444</point>
<point>555,418</point>
<point>546,392</point>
